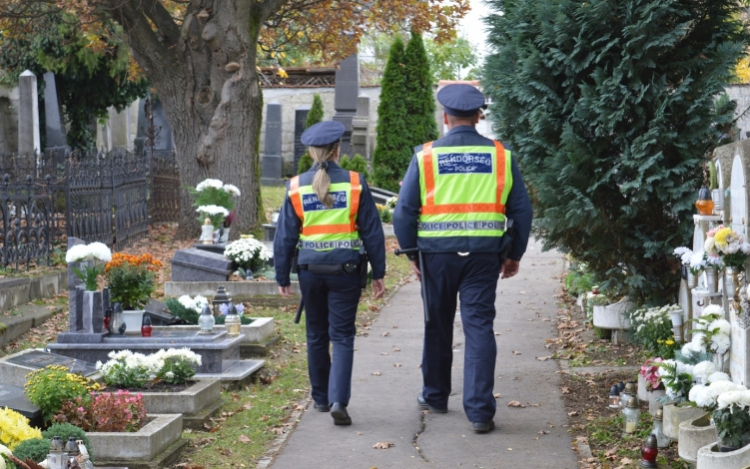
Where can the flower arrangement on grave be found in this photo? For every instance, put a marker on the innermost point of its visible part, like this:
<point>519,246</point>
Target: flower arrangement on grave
<point>650,372</point>
<point>711,333</point>
<point>186,307</point>
<point>131,279</point>
<point>49,387</point>
<point>214,200</point>
<point>596,298</point>
<point>126,369</point>
<point>224,309</point>
<point>705,396</point>
<point>696,261</point>
<point>652,330</point>
<point>37,449</point>
<point>677,378</point>
<point>728,245</point>
<point>15,428</point>
<point>249,254</point>
<point>89,253</point>
<point>105,412</point>
<point>732,419</point>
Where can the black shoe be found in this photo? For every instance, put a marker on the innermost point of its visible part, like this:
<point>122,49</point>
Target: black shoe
<point>321,407</point>
<point>483,427</point>
<point>340,415</point>
<point>425,406</point>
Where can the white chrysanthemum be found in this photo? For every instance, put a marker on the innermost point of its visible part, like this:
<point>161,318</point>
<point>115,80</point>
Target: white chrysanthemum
<point>702,370</point>
<point>696,260</point>
<point>717,376</point>
<point>720,343</point>
<point>715,262</point>
<point>730,398</point>
<point>700,395</point>
<point>169,375</point>
<point>100,251</point>
<point>211,210</point>
<point>681,250</point>
<point>684,368</point>
<point>732,247</point>
<point>77,253</point>
<point>206,183</point>
<point>710,245</point>
<point>232,189</point>
<point>745,248</point>
<point>717,388</point>
<point>712,309</point>
<point>722,325</point>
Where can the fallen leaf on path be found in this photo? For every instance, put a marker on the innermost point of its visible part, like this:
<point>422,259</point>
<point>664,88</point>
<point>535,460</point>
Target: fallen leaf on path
<point>573,413</point>
<point>565,390</point>
<point>515,404</point>
<point>359,433</point>
<point>396,349</point>
<point>515,352</point>
<point>376,373</point>
<point>543,432</point>
<point>544,359</point>
<point>384,353</point>
<point>385,334</point>
<point>395,326</point>
<point>497,333</point>
<point>383,445</point>
<point>497,395</point>
<point>397,365</point>
<point>243,439</point>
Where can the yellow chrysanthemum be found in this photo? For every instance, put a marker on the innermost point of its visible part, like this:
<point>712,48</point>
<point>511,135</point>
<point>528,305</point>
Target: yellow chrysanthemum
<point>721,237</point>
<point>14,428</point>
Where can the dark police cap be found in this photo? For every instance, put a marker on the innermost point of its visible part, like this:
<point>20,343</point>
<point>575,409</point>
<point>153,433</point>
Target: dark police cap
<point>322,134</point>
<point>461,100</point>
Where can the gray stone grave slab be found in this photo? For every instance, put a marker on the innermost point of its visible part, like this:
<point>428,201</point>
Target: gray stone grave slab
<point>271,160</point>
<point>195,265</point>
<point>31,360</point>
<point>54,122</point>
<point>361,128</point>
<point>345,100</point>
<point>28,114</point>
<point>14,397</point>
<point>300,116</point>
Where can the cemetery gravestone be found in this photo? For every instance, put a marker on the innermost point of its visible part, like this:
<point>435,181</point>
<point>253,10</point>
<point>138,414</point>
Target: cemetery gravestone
<point>345,101</point>
<point>271,161</point>
<point>197,265</point>
<point>75,295</point>
<point>36,359</point>
<point>28,114</point>
<point>53,116</point>
<point>13,397</point>
<point>300,116</point>
<point>119,128</point>
<point>740,345</point>
<point>361,128</point>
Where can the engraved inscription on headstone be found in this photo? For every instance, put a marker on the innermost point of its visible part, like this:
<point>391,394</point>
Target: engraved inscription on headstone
<point>271,161</point>
<point>37,360</point>
<point>300,116</point>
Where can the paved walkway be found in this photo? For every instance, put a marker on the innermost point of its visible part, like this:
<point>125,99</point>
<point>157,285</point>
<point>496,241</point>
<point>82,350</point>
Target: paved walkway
<point>384,409</point>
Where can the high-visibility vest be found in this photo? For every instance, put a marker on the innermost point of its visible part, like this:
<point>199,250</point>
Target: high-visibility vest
<point>323,228</point>
<point>463,190</point>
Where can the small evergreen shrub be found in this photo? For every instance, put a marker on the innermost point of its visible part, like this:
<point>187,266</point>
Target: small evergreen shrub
<point>305,163</point>
<point>65,431</point>
<point>35,449</point>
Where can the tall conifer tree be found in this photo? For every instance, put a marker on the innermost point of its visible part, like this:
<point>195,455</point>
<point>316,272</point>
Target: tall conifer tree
<point>419,97</point>
<point>393,147</point>
<point>314,116</point>
<point>609,108</point>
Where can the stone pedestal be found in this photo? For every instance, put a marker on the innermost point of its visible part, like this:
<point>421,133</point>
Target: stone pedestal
<point>345,101</point>
<point>361,128</point>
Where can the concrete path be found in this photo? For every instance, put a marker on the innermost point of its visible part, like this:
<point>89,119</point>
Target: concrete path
<point>387,380</point>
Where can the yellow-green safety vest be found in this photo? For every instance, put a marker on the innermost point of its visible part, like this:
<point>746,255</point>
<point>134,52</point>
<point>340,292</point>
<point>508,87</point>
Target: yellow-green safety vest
<point>463,190</point>
<point>323,228</point>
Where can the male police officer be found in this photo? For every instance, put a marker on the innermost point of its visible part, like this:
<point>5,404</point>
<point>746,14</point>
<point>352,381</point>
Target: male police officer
<point>456,204</point>
<point>329,214</point>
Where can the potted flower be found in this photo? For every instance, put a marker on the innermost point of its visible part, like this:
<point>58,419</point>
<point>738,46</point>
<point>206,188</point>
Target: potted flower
<point>729,246</point>
<point>131,280</point>
<point>89,255</point>
<point>215,200</point>
<point>250,255</point>
<point>654,388</point>
<point>694,263</point>
<point>711,335</point>
<point>701,431</point>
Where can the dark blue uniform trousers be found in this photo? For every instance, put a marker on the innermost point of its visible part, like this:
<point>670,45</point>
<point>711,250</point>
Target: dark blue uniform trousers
<point>474,278</point>
<point>330,311</point>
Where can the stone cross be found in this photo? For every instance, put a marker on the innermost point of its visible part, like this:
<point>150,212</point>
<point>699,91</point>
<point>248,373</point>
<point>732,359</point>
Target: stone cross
<point>271,161</point>
<point>361,128</point>
<point>53,116</point>
<point>345,101</point>
<point>28,114</point>
<point>300,116</point>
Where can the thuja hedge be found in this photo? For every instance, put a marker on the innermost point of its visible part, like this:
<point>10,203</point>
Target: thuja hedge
<point>608,106</point>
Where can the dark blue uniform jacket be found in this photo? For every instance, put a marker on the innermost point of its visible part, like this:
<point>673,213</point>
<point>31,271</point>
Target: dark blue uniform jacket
<point>406,215</point>
<point>289,227</point>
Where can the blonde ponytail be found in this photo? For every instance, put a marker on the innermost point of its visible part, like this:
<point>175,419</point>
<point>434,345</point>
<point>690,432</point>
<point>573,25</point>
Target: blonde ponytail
<point>321,180</point>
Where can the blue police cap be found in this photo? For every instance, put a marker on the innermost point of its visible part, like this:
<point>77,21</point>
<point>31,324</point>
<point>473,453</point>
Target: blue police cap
<point>461,100</point>
<point>322,134</point>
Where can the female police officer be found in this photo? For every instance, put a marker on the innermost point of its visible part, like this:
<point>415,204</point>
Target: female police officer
<point>328,214</point>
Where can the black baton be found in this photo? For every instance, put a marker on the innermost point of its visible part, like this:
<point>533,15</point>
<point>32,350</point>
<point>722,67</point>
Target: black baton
<point>299,311</point>
<point>398,252</point>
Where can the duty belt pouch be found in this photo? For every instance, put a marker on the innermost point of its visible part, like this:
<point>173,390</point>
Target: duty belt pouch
<point>295,264</point>
<point>325,269</point>
<point>363,260</point>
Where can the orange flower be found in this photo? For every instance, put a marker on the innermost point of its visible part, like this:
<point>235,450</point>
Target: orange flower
<point>120,259</point>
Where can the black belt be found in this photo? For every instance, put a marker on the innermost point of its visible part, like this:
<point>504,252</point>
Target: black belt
<point>331,269</point>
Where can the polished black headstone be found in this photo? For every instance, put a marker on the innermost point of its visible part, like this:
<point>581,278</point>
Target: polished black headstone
<point>37,359</point>
<point>13,397</point>
<point>300,116</point>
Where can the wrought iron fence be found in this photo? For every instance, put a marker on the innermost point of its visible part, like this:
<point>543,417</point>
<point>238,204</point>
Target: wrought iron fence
<point>110,198</point>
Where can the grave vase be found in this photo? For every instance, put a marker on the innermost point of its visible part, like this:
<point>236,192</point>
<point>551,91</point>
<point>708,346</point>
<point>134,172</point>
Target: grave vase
<point>731,281</point>
<point>92,309</point>
<point>224,238</point>
<point>133,319</point>
<point>692,279</point>
<point>720,361</point>
<point>712,279</point>
<point>653,403</point>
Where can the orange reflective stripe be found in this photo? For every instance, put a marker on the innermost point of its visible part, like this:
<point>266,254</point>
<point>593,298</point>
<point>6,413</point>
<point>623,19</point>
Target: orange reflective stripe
<point>356,189</point>
<point>296,197</point>
<point>500,158</point>
<point>327,229</point>
<point>429,175</point>
<point>462,208</point>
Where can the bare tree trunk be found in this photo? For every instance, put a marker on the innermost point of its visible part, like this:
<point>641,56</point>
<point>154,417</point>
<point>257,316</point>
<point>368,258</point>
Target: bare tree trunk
<point>204,73</point>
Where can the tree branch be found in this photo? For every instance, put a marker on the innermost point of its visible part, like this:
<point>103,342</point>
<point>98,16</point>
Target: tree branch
<point>163,20</point>
<point>142,39</point>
